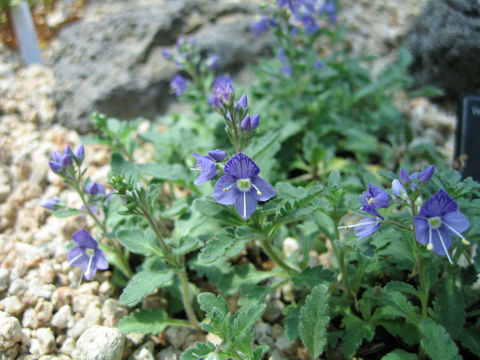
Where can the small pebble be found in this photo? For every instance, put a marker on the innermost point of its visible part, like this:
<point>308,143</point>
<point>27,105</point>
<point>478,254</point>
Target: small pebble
<point>100,342</point>
<point>10,331</point>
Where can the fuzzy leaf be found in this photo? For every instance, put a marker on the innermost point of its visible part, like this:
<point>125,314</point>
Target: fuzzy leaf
<point>198,352</point>
<point>208,301</point>
<point>314,320</point>
<point>168,172</point>
<point>219,246</point>
<point>143,284</point>
<point>436,341</point>
<point>356,331</point>
<point>242,327</point>
<point>399,354</point>
<point>449,307</point>
<point>311,277</point>
<point>292,321</point>
<point>138,242</point>
<point>63,213</point>
<point>471,340</point>
<point>147,322</point>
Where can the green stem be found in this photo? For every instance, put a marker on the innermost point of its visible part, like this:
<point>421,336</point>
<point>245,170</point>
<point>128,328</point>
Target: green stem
<point>186,300</point>
<point>276,259</point>
<point>340,256</point>
<point>116,246</point>
<point>423,291</point>
<point>158,233</point>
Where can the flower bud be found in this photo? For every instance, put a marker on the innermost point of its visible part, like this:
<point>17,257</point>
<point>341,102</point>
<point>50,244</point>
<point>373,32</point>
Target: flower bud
<point>255,121</point>
<point>246,123</point>
<point>242,103</point>
<point>217,155</point>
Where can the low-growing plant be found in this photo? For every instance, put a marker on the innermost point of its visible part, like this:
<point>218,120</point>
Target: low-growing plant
<point>203,225</point>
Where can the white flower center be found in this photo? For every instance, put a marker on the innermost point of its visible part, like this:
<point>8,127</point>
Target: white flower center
<point>435,222</point>
<point>244,185</point>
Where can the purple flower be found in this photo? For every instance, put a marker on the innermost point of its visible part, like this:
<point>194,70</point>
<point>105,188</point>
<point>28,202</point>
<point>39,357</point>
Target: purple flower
<point>242,186</point>
<point>330,9</point>
<point>399,190</point>
<point>87,254</point>
<point>93,188</point>
<point>286,67</point>
<point>223,92</point>
<point>217,155</point>
<point>437,220</point>
<point>262,25</point>
<point>246,123</point>
<point>212,62</point>
<point>79,154</point>
<point>207,168</point>
<point>242,103</point>
<point>167,54</point>
<point>369,224</point>
<point>423,177</point>
<point>178,85</point>
<point>255,121</point>
<point>374,198</point>
<point>309,24</point>
<point>50,204</point>
<point>61,162</point>
<point>318,64</point>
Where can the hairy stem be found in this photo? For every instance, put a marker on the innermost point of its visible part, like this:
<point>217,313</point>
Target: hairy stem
<point>186,300</point>
<point>275,258</point>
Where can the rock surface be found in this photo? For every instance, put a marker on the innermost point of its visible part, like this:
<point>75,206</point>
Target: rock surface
<point>445,44</point>
<point>111,61</point>
<point>100,342</point>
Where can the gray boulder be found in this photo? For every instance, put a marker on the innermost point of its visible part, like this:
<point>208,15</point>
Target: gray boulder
<point>111,61</point>
<point>445,44</point>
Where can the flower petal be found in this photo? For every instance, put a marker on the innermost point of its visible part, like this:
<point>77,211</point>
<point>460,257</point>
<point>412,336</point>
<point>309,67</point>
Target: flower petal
<point>366,227</point>
<point>76,256</point>
<point>84,239</point>
<point>267,191</point>
<point>440,204</point>
<point>241,167</point>
<point>100,260</point>
<point>441,241</point>
<point>229,196</point>
<point>456,220</point>
<point>245,204</point>
<point>421,229</point>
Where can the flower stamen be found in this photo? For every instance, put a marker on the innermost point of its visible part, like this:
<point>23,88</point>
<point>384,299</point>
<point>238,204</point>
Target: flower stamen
<point>465,241</point>
<point>444,247</point>
<point>228,187</point>
<point>258,190</point>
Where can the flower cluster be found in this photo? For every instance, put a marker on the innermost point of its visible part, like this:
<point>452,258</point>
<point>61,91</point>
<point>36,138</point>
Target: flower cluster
<point>68,166</point>
<point>304,14</point>
<point>87,254</point>
<point>436,221</point>
<point>240,184</point>
<point>187,60</point>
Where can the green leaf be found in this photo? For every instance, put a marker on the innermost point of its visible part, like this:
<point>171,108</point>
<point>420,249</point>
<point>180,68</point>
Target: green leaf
<point>399,354</point>
<point>208,207</point>
<point>402,329</point>
<point>355,331</point>
<point>471,340</point>
<point>400,306</point>
<point>142,284</point>
<point>401,287</point>
<point>186,245</point>
<point>312,277</point>
<point>449,307</point>
<point>167,172</point>
<point>200,350</point>
<point>243,277</point>
<point>242,326</point>
<point>209,301</point>
<point>314,320</point>
<point>124,168</point>
<point>292,321</point>
<point>436,341</point>
<point>137,242</point>
<point>147,322</point>
<point>219,246</point>
<point>63,213</point>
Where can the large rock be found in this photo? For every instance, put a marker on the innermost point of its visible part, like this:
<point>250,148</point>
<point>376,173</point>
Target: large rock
<point>445,43</point>
<point>100,343</point>
<point>111,60</point>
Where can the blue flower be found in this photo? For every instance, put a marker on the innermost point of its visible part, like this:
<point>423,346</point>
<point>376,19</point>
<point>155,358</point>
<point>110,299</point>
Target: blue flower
<point>212,61</point>
<point>286,66</point>
<point>242,103</point>
<point>242,186</point>
<point>178,85</point>
<point>255,121</point>
<point>399,190</point>
<point>59,162</point>
<point>368,225</point>
<point>207,168</point>
<point>217,155</point>
<point>87,254</point>
<point>246,123</point>
<point>93,188</point>
<point>437,220</point>
<point>50,204</point>
<point>412,180</point>
<point>374,198</point>
<point>262,25</point>
<point>223,93</point>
